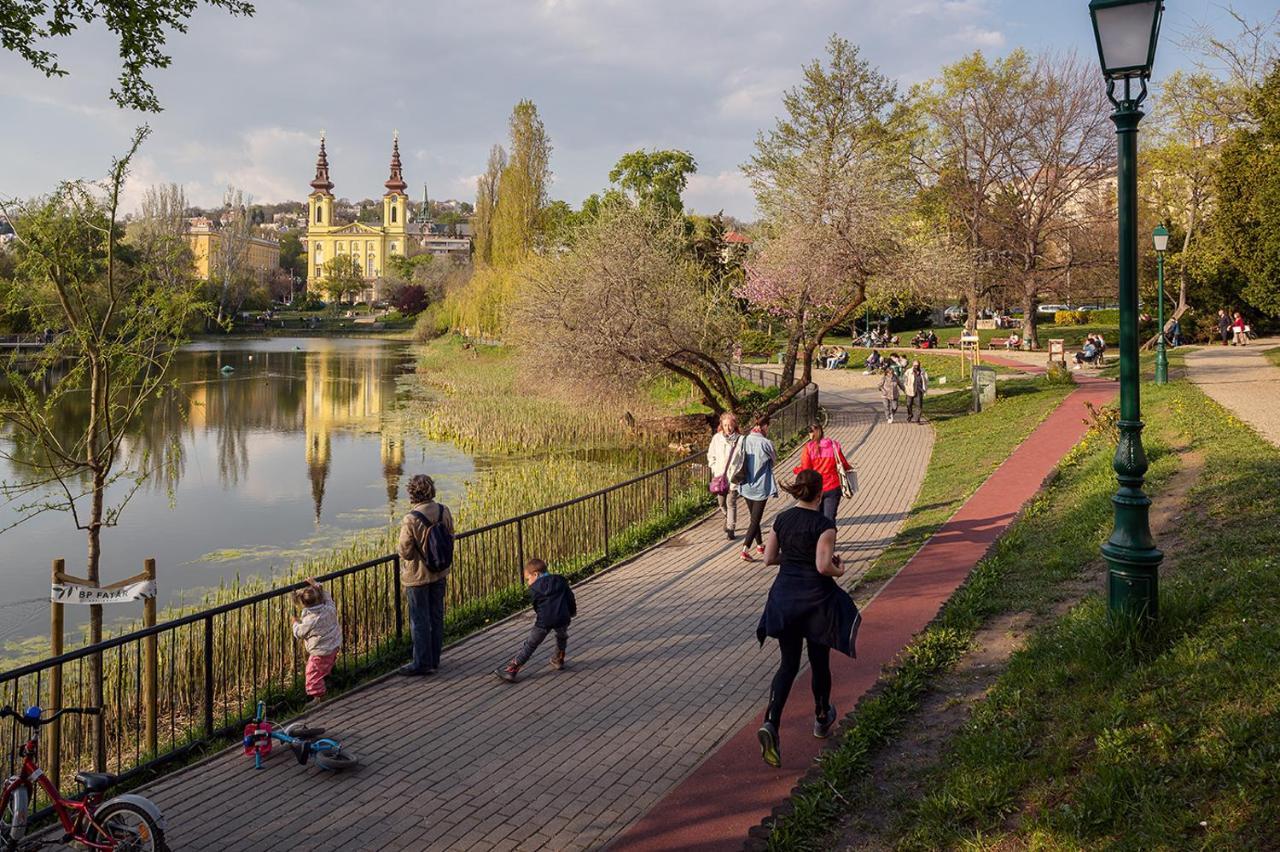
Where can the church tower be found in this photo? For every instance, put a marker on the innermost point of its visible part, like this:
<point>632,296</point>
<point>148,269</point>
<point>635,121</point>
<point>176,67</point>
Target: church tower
<point>319,213</point>
<point>395,204</point>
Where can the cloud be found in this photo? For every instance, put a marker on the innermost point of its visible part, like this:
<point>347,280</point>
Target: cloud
<point>728,190</point>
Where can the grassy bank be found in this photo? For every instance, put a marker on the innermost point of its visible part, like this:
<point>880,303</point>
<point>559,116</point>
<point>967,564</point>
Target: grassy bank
<point>1273,355</point>
<point>1093,737</point>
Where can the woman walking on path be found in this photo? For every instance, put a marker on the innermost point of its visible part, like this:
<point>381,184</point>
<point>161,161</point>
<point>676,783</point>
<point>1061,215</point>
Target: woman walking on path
<point>890,384</point>
<point>758,483</point>
<point>917,382</point>
<point>805,607</point>
<point>426,532</point>
<point>1238,328</point>
<point>824,455</point>
<point>724,460</point>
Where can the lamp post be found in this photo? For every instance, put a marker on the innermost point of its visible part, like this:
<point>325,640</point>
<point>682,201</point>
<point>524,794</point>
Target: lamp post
<point>1160,237</point>
<point>1126,32</point>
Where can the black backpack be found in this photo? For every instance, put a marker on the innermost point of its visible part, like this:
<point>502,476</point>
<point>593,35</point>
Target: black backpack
<point>439,551</point>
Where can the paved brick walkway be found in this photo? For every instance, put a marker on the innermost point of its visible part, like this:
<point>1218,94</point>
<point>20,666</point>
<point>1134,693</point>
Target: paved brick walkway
<point>665,665</point>
<point>1239,379</point>
<point>733,790</point>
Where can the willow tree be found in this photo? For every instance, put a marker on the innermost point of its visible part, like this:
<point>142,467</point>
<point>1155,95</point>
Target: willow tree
<point>487,187</point>
<point>831,180</point>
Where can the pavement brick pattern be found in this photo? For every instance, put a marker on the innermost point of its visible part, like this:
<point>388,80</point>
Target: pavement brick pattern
<point>664,666</point>
<point>1240,380</point>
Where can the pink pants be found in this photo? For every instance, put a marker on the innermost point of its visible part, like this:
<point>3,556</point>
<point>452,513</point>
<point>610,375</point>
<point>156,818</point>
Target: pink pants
<point>319,665</point>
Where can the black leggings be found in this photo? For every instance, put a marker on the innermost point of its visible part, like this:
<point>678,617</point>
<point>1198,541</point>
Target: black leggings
<point>789,667</point>
<point>756,510</point>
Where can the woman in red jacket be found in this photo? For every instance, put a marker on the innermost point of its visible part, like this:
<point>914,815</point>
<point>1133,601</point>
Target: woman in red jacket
<point>825,456</point>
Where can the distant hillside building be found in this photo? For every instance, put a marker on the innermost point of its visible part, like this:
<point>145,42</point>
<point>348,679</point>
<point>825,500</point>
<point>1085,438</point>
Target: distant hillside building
<point>262,254</point>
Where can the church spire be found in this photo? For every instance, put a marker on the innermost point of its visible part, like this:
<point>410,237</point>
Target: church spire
<point>396,183</point>
<point>424,212</point>
<point>322,182</point>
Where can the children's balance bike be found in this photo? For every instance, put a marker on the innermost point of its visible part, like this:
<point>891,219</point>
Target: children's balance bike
<point>305,742</point>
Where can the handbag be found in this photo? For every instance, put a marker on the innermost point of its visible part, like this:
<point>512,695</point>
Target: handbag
<point>720,484</point>
<point>848,476</point>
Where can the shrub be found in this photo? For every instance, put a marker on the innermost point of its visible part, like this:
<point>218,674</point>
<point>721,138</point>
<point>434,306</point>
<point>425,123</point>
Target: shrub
<point>1071,317</point>
<point>410,299</point>
<point>756,342</point>
<point>431,324</point>
<point>1110,316</point>
<point>308,302</point>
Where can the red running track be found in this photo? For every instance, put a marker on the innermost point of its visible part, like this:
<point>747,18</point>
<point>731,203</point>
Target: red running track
<point>733,790</point>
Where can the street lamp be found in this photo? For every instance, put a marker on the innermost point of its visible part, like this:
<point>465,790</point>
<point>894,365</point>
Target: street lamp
<point>1126,33</point>
<point>1160,237</point>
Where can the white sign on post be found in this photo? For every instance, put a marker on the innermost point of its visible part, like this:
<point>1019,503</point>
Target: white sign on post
<point>76,593</point>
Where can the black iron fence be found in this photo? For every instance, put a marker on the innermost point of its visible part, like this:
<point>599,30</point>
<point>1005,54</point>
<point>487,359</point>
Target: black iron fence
<point>173,688</point>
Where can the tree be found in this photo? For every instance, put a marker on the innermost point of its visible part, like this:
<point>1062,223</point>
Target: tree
<point>229,256</point>
<point>1056,166</point>
<point>342,278</point>
<point>522,192</point>
<point>655,177</point>
<point>141,27</point>
<point>293,255</point>
<point>487,186</point>
<point>965,122</point>
<point>410,299</point>
<point>625,303</point>
<point>830,179</point>
<point>120,310</point>
<point>1249,200</point>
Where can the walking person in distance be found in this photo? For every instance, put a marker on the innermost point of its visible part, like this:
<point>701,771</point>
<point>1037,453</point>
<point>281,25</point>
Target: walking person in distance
<point>758,483</point>
<point>1224,327</point>
<point>825,456</point>
<point>806,608</point>
<point>725,461</point>
<point>426,553</point>
<point>890,384</point>
<point>915,383</point>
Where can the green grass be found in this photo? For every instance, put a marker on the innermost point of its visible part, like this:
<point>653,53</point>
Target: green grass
<point>937,366</point>
<point>1273,355</point>
<point>1097,736</point>
<point>1074,335</point>
<point>967,448</point>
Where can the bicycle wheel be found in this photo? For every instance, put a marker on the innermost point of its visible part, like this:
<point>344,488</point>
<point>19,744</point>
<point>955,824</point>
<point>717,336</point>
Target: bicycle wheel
<point>336,760</point>
<point>821,417</point>
<point>130,828</point>
<point>13,817</point>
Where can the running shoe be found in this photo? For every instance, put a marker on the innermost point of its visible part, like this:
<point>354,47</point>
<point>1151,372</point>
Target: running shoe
<point>822,726</point>
<point>747,557</point>
<point>510,673</point>
<point>768,736</point>
<point>760,549</point>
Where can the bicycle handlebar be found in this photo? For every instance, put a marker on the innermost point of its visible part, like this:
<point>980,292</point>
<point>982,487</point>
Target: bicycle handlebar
<point>41,722</point>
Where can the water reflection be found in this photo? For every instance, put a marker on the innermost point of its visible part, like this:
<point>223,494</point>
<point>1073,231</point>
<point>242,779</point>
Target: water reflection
<point>265,451</point>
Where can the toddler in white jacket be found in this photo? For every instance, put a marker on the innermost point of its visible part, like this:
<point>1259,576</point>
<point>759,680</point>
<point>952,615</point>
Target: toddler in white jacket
<point>320,633</point>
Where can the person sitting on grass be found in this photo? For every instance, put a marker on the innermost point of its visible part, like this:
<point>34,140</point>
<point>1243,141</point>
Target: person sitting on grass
<point>555,607</point>
<point>320,633</point>
<point>874,362</point>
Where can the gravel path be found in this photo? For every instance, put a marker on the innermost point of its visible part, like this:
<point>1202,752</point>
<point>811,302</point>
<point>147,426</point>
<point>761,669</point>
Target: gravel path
<point>1243,382</point>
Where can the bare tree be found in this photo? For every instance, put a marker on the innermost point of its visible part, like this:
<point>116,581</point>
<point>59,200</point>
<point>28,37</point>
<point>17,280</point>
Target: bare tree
<point>626,303</point>
<point>229,254</point>
<point>1063,158</point>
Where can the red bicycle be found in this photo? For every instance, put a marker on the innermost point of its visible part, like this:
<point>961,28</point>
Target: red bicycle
<point>126,823</point>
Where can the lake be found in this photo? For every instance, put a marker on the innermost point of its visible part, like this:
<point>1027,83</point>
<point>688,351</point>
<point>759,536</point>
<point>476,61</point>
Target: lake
<point>301,444</point>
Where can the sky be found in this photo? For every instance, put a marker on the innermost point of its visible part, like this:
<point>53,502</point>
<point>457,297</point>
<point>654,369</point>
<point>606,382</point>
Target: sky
<point>246,99</point>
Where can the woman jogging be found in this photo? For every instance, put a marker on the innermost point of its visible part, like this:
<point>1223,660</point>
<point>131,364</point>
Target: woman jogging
<point>805,607</point>
<point>825,456</point>
<point>758,483</point>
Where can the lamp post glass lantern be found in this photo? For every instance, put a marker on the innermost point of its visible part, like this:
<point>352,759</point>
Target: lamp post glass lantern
<point>1126,32</point>
<point>1160,238</point>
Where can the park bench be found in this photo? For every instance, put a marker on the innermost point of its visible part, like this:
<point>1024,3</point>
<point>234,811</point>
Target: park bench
<point>998,342</point>
<point>953,343</point>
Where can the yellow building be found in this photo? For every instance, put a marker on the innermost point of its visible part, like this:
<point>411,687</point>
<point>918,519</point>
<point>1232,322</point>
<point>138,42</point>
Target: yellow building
<point>368,246</point>
<point>262,255</point>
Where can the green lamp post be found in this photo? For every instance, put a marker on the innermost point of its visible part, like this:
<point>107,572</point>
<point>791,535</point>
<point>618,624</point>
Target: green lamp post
<point>1126,33</point>
<point>1160,237</point>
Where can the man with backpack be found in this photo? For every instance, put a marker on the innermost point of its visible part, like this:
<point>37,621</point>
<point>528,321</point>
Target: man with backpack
<point>426,553</point>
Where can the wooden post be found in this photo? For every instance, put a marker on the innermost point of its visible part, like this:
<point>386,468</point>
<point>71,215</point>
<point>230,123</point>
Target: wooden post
<point>54,738</point>
<point>150,665</point>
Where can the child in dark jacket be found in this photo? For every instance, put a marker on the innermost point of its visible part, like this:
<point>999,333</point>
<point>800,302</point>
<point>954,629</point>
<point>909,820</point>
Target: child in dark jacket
<point>554,606</point>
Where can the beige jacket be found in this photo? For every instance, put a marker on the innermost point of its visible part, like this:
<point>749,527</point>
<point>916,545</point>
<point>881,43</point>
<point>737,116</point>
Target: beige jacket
<point>318,628</point>
<point>413,544</point>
